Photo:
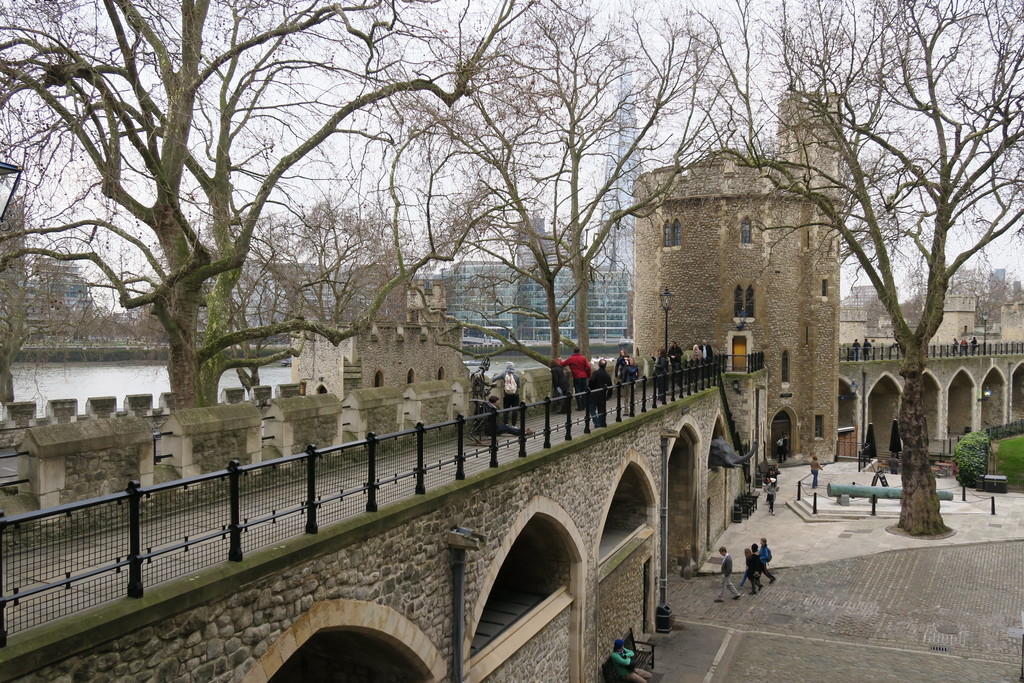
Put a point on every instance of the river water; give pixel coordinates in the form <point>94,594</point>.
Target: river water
<point>51,381</point>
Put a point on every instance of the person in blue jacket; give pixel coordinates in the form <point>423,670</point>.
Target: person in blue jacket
<point>623,660</point>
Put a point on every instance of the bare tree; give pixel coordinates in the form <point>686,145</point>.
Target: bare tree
<point>184,124</point>
<point>564,123</point>
<point>901,124</point>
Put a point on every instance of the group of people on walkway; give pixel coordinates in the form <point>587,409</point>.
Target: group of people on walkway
<point>756,559</point>
<point>962,345</point>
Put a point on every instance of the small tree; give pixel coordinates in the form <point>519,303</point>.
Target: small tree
<point>971,456</point>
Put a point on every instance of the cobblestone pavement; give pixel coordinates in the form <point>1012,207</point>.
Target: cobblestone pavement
<point>943,613</point>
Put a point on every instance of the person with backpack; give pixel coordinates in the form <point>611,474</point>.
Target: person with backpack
<point>509,384</point>
<point>765,554</point>
<point>771,489</point>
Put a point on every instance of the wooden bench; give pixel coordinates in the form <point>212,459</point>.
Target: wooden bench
<point>642,658</point>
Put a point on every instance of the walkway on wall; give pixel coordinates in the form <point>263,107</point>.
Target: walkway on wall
<point>58,561</point>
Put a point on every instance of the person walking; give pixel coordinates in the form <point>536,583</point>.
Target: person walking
<point>581,371</point>
<point>660,374</point>
<point>771,489</point>
<point>765,553</point>
<point>509,384</point>
<point>815,468</point>
<point>706,351</point>
<point>856,349</point>
<point>726,576</point>
<point>754,568</point>
<point>600,389</point>
<point>620,366</point>
<point>560,389</point>
<point>955,347</point>
<point>782,446</point>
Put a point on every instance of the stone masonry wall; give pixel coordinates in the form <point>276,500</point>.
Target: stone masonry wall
<point>544,656</point>
<point>396,558</point>
<point>622,597</point>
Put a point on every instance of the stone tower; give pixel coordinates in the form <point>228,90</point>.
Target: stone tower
<point>750,269</point>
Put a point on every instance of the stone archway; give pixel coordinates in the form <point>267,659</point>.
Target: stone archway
<point>883,408</point>
<point>960,400</point>
<point>543,554</point>
<point>685,540</point>
<point>992,398</point>
<point>385,644</point>
<point>782,424</point>
<point>1017,393</point>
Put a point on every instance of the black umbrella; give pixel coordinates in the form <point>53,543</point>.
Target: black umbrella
<point>870,450</point>
<point>895,442</point>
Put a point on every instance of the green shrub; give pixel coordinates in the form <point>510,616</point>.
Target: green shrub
<point>971,456</point>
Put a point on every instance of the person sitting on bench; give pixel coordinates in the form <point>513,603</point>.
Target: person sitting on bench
<point>492,405</point>
<point>623,660</point>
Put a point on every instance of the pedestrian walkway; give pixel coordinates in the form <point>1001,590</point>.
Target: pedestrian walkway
<point>855,601</point>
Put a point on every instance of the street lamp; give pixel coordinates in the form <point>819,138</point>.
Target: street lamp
<point>663,614</point>
<point>666,305</point>
<point>9,177</point>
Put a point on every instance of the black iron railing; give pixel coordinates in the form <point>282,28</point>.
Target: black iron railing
<point>894,352</point>
<point>61,560</point>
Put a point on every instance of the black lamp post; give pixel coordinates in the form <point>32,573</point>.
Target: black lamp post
<point>9,177</point>
<point>666,305</point>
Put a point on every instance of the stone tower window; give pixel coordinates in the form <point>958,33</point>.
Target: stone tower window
<point>745,237</point>
<point>749,302</point>
<point>673,233</point>
<point>410,377</point>
<point>785,367</point>
<point>824,287</point>
<point>378,378</point>
<point>737,301</point>
<point>440,372</point>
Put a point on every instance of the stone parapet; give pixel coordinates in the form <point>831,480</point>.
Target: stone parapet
<point>377,409</point>
<point>205,439</point>
<point>427,402</point>
<point>294,423</point>
<point>74,461</point>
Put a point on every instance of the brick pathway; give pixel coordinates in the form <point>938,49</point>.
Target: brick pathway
<point>929,614</point>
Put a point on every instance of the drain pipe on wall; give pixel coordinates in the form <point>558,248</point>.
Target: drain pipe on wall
<point>460,540</point>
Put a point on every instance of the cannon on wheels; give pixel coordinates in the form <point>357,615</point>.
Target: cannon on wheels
<point>886,492</point>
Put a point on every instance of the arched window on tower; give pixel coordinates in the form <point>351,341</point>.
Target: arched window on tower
<point>785,367</point>
<point>749,302</point>
<point>378,378</point>
<point>737,301</point>
<point>677,233</point>
<point>666,236</point>
<point>745,236</point>
<point>410,377</point>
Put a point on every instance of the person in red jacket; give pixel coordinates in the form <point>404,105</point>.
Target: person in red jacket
<point>580,369</point>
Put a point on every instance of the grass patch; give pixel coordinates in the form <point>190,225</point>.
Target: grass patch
<point>1010,460</point>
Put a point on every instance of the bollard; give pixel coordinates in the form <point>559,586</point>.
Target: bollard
<point>993,505</point>
<point>814,511</point>
<point>963,493</point>
<point>798,491</point>
<point>874,501</point>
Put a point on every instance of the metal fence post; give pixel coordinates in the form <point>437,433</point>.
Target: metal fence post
<point>632,398</point>
<point>421,486</point>
<point>522,426</point>
<point>460,447</point>
<point>643,394</point>
<point>618,402</point>
<point>568,417</point>
<point>135,588</point>
<point>3,603</point>
<point>494,438</point>
<point>312,526</point>
<point>586,411</point>
<point>547,422</point>
<point>235,505</point>
<point>371,472</point>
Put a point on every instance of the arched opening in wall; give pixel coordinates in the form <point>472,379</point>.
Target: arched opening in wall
<point>1017,393</point>
<point>321,389</point>
<point>847,416</point>
<point>719,430</point>
<point>410,376</point>
<point>538,566</point>
<point>782,424</point>
<point>440,372</point>
<point>685,541</point>
<point>992,399</point>
<point>378,378</point>
<point>629,512</point>
<point>350,655</point>
<point>960,400</point>
<point>930,392</point>
<point>883,408</point>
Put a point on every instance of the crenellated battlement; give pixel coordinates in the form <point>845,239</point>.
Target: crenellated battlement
<point>713,178</point>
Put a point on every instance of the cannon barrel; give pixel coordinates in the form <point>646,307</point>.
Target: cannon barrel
<point>886,492</point>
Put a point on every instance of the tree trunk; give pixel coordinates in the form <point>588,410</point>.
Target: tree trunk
<point>6,383</point>
<point>919,509</point>
<point>178,312</point>
<point>583,313</point>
